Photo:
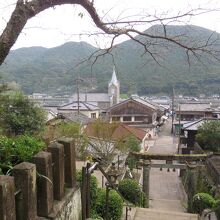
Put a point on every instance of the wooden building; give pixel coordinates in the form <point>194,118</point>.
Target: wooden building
<point>135,111</point>
<point>194,111</point>
<point>190,130</point>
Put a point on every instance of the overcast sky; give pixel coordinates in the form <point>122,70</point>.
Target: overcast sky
<point>56,26</point>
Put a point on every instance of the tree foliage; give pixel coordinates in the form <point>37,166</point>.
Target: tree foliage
<point>208,136</point>
<point>20,116</point>
<point>14,150</point>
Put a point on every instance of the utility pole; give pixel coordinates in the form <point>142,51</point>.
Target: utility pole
<point>77,90</point>
<point>172,110</point>
<point>179,132</point>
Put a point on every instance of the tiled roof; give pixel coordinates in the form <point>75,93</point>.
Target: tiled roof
<point>121,131</point>
<point>83,106</point>
<point>194,125</point>
<point>91,97</point>
<point>125,130</point>
<point>137,99</point>
<point>75,117</point>
<point>195,107</point>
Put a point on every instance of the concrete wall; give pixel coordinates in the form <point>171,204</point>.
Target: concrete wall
<point>71,208</point>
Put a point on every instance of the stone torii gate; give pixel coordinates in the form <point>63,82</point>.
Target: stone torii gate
<point>178,161</point>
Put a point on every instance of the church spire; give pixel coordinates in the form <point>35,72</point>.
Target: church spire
<point>114,89</point>
<point>114,80</point>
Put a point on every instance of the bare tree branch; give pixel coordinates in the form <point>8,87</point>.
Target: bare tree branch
<point>25,10</point>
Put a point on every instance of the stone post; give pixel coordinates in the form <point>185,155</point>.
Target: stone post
<point>83,193</point>
<point>192,174</point>
<point>88,177</point>
<point>57,151</point>
<point>7,198</point>
<point>146,182</point>
<point>43,161</point>
<point>25,182</point>
<point>70,161</point>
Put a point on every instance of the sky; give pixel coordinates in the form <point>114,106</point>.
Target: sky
<point>61,24</point>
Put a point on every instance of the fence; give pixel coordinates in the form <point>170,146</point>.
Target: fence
<point>44,188</point>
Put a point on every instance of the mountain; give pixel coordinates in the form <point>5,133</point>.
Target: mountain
<point>53,70</point>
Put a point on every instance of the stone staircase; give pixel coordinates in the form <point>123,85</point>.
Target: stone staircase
<point>155,214</point>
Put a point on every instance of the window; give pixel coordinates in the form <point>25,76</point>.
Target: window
<point>93,115</point>
<point>127,118</point>
<point>139,118</point>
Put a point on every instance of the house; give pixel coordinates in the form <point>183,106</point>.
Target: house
<point>190,130</point>
<point>192,111</point>
<point>135,111</point>
<point>116,132</point>
<point>52,125</point>
<point>85,108</point>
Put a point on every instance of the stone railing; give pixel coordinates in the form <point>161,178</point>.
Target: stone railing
<point>43,189</point>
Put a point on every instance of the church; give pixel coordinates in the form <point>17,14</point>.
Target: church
<point>92,104</point>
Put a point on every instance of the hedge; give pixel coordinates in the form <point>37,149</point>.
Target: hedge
<point>202,201</point>
<point>132,192</point>
<point>115,204</point>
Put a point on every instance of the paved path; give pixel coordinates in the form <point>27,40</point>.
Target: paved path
<point>152,214</point>
<point>166,190</point>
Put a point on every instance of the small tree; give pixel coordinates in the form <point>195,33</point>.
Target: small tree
<point>73,129</point>
<point>100,139</point>
<point>208,135</point>
<point>132,145</point>
<point>19,115</point>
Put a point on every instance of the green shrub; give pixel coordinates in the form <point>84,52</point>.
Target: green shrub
<point>93,188</point>
<point>202,201</point>
<point>131,191</point>
<point>115,204</point>
<point>18,149</point>
<point>217,208</point>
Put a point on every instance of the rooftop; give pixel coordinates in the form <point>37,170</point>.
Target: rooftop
<point>195,107</point>
<point>91,97</point>
<point>194,125</point>
<point>83,106</point>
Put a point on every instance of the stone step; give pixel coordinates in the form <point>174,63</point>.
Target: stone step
<point>156,214</point>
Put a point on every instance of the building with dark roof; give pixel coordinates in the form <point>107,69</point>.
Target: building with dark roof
<point>88,109</point>
<point>135,111</point>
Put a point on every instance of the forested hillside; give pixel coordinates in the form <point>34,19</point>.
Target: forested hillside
<point>53,70</point>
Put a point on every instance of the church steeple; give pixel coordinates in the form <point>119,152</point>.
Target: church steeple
<point>114,80</point>
<point>114,89</point>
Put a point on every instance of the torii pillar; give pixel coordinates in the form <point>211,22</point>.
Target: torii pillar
<point>146,181</point>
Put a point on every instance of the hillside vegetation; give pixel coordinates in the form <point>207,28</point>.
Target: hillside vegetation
<point>53,70</point>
